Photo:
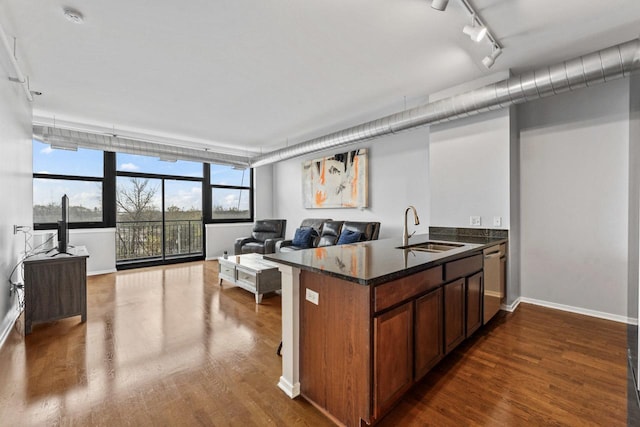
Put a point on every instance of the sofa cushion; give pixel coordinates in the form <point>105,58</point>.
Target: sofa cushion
<point>253,248</point>
<point>267,229</point>
<point>315,223</point>
<point>349,236</point>
<point>303,237</point>
<point>290,248</point>
<point>369,230</point>
<point>267,226</point>
<point>330,233</point>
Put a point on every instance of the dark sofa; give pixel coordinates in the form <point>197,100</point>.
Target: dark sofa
<point>328,233</point>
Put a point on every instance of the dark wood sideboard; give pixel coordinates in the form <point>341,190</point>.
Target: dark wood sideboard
<point>55,287</point>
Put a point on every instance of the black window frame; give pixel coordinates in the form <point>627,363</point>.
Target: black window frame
<point>109,208</point>
<point>209,199</point>
<point>106,195</point>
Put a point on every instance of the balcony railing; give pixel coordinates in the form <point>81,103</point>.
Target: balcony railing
<point>137,240</point>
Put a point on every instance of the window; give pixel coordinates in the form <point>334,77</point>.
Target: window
<point>78,174</point>
<point>231,194</point>
<point>213,193</point>
<point>159,213</point>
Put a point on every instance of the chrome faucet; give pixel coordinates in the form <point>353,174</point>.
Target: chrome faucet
<point>405,235</point>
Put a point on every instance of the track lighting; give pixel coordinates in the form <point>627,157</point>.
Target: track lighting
<point>478,31</point>
<point>490,59</point>
<point>62,144</point>
<point>168,158</point>
<point>475,33</point>
<point>439,4</point>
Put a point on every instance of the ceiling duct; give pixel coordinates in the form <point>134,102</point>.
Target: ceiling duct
<point>604,65</point>
<point>60,137</point>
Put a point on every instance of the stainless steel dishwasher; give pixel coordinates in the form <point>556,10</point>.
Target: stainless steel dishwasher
<point>492,288</point>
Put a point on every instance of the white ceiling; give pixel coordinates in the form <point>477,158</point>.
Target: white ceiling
<point>258,74</point>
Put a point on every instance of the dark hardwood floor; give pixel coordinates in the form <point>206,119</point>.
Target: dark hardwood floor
<point>168,346</point>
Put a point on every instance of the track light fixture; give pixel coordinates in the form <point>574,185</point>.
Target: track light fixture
<point>61,144</point>
<point>440,5</point>
<point>168,158</point>
<point>478,31</point>
<point>475,33</point>
<point>490,59</point>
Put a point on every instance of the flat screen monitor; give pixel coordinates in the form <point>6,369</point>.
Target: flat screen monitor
<point>63,226</point>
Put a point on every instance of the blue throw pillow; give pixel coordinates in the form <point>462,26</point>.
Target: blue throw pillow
<point>303,237</point>
<point>348,236</point>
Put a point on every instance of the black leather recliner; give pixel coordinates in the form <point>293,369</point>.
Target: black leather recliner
<point>266,233</point>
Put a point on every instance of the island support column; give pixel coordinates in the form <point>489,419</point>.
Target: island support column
<point>290,379</point>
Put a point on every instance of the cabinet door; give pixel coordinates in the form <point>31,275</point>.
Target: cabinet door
<point>428,332</point>
<point>393,356</point>
<point>474,303</point>
<point>454,311</point>
<point>503,278</point>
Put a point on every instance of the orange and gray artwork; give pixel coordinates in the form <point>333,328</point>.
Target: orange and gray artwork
<point>337,181</point>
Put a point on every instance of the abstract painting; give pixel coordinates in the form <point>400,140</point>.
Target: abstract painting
<point>337,181</point>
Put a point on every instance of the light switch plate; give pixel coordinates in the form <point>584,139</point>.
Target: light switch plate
<point>497,221</point>
<point>474,220</point>
<point>312,296</point>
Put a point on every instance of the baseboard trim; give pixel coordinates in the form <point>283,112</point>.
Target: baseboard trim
<point>511,307</point>
<point>579,310</point>
<point>291,390</point>
<point>8,322</point>
<point>97,272</point>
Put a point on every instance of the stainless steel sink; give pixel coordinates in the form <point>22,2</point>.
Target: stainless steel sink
<point>432,247</point>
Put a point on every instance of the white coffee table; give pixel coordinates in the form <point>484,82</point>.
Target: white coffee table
<point>250,272</point>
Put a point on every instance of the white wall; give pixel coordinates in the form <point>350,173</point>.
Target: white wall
<point>469,170</point>
<point>574,199</point>
<point>398,177</point>
<point>634,219</point>
<point>514,290</point>
<point>474,171</point>
<point>16,181</point>
<point>220,237</point>
<point>101,245</point>
<point>263,189</point>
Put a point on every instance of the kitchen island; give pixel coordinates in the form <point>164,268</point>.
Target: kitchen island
<point>363,322</point>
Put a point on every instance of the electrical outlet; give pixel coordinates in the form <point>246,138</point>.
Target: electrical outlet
<point>312,296</point>
<point>497,221</point>
<point>22,228</point>
<point>474,220</point>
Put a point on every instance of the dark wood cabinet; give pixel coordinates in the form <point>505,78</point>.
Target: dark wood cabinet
<point>335,347</point>
<point>474,303</point>
<point>454,314</point>
<point>363,347</point>
<point>428,341</point>
<point>393,356</point>
<point>55,288</point>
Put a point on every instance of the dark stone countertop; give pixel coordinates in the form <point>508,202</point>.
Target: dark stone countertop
<point>379,261</point>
